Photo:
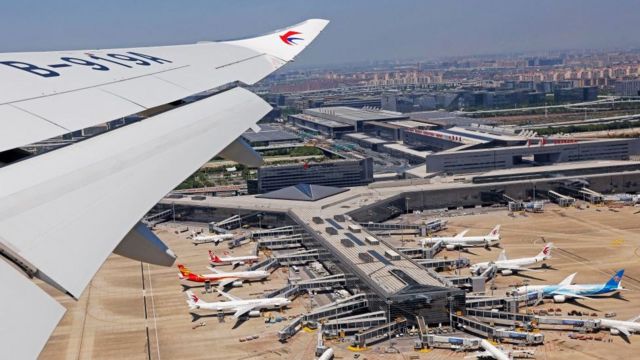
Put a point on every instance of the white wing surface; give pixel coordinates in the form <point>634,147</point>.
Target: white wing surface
<point>86,197</point>
<point>62,213</point>
<point>46,94</point>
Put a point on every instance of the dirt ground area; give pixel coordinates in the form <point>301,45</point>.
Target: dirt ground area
<point>115,316</point>
<point>138,311</point>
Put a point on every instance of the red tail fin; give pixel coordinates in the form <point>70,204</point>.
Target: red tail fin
<point>183,270</point>
<point>213,257</point>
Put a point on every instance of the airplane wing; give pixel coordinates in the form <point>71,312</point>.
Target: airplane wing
<point>63,212</point>
<point>623,330</point>
<point>569,294</point>
<point>461,234</point>
<point>242,310</point>
<point>228,296</point>
<point>214,270</point>
<point>40,92</point>
<point>568,280</point>
<point>634,319</point>
<point>226,282</point>
<point>517,268</point>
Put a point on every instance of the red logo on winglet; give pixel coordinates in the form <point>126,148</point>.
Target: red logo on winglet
<point>288,37</point>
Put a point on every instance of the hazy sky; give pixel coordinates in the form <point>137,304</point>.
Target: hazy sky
<point>360,29</point>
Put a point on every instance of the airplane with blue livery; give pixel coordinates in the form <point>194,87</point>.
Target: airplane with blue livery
<point>566,290</point>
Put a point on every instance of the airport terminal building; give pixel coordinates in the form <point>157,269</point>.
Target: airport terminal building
<point>339,120</point>
<point>479,160</point>
<point>338,173</point>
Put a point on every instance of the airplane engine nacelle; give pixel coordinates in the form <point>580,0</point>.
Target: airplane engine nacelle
<point>506,272</point>
<point>237,284</point>
<point>614,331</point>
<point>450,247</point>
<point>254,313</point>
<point>559,298</point>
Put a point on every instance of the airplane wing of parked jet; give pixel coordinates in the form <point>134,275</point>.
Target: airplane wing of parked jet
<point>62,213</point>
<point>226,282</point>
<point>517,268</point>
<point>242,310</point>
<point>568,294</point>
<point>229,296</point>
<point>462,234</point>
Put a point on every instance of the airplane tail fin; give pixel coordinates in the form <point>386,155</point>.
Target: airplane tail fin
<point>495,231</point>
<point>192,299</point>
<point>184,271</point>
<point>545,253</point>
<point>213,257</point>
<point>615,281</point>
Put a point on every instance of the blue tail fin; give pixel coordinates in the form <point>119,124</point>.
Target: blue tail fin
<point>614,282</point>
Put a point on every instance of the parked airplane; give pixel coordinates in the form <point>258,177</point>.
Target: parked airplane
<point>223,278</point>
<point>508,267</point>
<point>565,290</point>
<point>462,241</point>
<point>208,238</point>
<point>238,306</point>
<point>623,328</point>
<point>231,260</point>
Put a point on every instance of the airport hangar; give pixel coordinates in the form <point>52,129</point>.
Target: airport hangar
<point>392,281</point>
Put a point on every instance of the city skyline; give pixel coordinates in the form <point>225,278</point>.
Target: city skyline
<point>360,31</point>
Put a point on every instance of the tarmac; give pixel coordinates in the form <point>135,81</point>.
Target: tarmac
<point>138,311</point>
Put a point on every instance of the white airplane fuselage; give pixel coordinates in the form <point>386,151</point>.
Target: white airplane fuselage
<point>505,266</point>
<point>256,304</point>
<point>215,238</point>
<point>464,242</point>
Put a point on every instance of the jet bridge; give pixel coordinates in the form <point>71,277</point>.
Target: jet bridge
<point>354,323</point>
<point>154,219</point>
<point>516,319</point>
<point>484,330</point>
<point>451,342</point>
<point>507,303</point>
<point>266,265</point>
<point>299,257</point>
<point>280,231</point>
<point>423,252</point>
<point>442,264</point>
<point>279,243</point>
<point>336,309</point>
<point>234,221</point>
<point>560,199</point>
<point>372,335</point>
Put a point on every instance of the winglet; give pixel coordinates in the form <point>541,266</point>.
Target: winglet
<point>568,280</point>
<point>286,43</point>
